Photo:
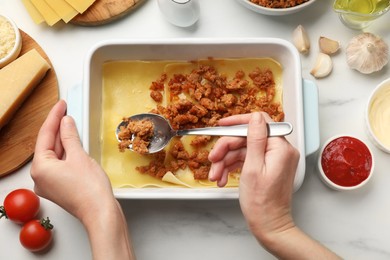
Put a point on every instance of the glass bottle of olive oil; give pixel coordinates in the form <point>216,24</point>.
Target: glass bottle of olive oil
<point>358,14</point>
<point>362,6</point>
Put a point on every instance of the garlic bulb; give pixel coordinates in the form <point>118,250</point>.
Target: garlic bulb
<point>301,39</point>
<point>323,66</point>
<point>367,53</point>
<point>328,46</point>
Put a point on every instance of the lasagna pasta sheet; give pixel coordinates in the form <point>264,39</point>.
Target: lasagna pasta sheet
<point>126,92</point>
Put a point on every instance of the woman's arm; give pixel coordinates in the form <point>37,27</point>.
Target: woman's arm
<point>64,173</point>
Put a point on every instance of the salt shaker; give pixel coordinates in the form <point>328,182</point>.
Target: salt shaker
<point>181,13</point>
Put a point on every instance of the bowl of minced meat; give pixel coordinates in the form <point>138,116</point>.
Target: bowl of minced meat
<point>276,7</point>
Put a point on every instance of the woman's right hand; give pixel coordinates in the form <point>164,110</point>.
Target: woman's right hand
<point>267,176</point>
<point>266,187</point>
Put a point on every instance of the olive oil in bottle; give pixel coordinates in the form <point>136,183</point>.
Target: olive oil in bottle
<point>358,14</point>
<point>362,6</point>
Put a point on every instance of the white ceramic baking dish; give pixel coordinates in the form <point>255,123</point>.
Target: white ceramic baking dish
<point>298,96</point>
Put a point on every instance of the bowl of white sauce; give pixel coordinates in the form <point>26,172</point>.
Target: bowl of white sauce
<point>378,116</point>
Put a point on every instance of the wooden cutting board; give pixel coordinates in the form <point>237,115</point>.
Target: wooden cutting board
<point>18,137</point>
<point>105,11</point>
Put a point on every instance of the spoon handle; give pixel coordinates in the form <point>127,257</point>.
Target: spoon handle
<point>274,129</point>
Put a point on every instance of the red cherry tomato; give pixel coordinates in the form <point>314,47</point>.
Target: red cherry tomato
<point>36,234</point>
<point>20,206</point>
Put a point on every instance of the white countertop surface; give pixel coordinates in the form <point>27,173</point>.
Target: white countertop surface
<point>354,224</point>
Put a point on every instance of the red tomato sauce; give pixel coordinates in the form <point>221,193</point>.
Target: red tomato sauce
<point>346,161</point>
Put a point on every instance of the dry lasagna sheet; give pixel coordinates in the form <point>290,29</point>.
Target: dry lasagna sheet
<point>126,92</point>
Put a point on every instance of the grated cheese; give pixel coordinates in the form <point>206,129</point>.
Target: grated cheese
<point>7,37</point>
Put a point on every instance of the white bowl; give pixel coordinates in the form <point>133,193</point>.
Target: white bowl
<point>275,11</point>
<point>15,51</point>
<point>377,116</point>
<point>346,158</point>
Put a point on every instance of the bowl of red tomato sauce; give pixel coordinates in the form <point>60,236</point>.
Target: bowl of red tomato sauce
<point>345,163</point>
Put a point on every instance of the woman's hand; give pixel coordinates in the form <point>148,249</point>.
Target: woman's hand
<point>64,173</point>
<point>267,176</point>
<point>266,186</point>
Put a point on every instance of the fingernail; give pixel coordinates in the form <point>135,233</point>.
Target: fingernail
<point>210,156</point>
<point>68,121</point>
<point>256,117</point>
<point>211,175</point>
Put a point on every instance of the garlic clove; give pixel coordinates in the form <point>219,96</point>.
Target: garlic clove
<point>323,66</point>
<point>328,46</point>
<point>301,39</point>
<point>367,53</point>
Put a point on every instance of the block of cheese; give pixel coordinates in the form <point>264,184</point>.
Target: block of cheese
<point>33,12</point>
<point>17,81</point>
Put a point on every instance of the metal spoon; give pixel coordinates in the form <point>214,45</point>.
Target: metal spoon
<point>163,131</point>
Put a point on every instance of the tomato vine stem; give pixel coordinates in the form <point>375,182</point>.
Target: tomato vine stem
<point>46,223</point>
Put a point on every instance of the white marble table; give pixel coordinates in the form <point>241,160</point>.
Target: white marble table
<point>355,224</point>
